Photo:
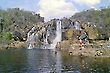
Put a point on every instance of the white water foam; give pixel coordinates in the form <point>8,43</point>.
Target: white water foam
<point>31,38</point>
<point>58,37</point>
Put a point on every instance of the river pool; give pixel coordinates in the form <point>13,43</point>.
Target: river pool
<point>47,61</point>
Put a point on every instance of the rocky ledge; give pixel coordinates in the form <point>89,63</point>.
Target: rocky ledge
<point>14,45</point>
<point>93,50</point>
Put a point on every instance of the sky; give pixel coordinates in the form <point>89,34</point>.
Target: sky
<point>54,8</point>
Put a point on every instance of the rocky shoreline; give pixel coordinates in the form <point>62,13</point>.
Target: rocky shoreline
<point>13,45</point>
<point>90,50</point>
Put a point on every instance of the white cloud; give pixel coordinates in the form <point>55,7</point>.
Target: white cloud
<point>87,2</point>
<point>63,8</point>
<point>56,9</point>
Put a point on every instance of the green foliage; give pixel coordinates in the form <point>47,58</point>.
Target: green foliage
<point>16,16</point>
<point>94,16</point>
<point>7,36</point>
<point>16,19</point>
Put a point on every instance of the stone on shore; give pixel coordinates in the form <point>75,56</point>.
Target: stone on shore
<point>17,44</point>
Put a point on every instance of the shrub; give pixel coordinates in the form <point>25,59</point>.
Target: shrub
<point>7,36</point>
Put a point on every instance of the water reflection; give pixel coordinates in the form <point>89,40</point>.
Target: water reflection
<point>47,61</point>
<point>58,62</point>
<point>31,61</point>
<point>12,61</point>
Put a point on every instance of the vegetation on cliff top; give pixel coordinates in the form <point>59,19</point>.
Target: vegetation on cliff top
<point>100,18</point>
<point>21,20</point>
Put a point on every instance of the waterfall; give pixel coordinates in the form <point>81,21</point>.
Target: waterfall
<point>58,37</point>
<point>58,62</point>
<point>77,25</point>
<point>31,38</point>
<point>47,34</point>
<point>45,37</point>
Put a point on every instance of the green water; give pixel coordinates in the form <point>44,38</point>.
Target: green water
<point>47,61</point>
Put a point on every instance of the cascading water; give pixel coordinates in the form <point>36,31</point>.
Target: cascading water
<point>47,34</point>
<point>58,37</point>
<point>77,25</point>
<point>31,38</point>
<point>45,37</point>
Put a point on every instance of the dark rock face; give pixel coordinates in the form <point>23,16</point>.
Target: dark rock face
<point>17,36</point>
<point>51,28</point>
<point>66,23</point>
